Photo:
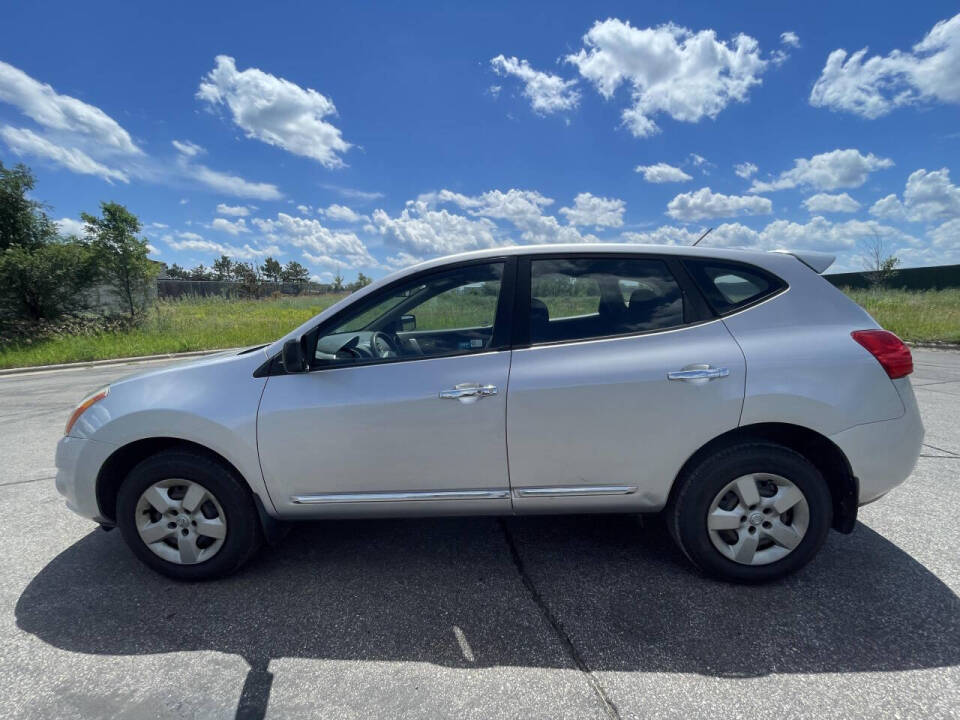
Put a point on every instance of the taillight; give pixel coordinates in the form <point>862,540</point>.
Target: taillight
<point>889,350</point>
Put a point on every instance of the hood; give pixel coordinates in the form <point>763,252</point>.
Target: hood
<point>253,355</point>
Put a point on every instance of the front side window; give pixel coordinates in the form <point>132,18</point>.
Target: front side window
<point>444,313</point>
<point>581,298</point>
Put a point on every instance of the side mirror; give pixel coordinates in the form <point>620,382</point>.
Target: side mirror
<point>293,357</point>
<point>408,323</point>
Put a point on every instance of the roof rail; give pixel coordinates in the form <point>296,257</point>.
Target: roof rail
<point>816,261</point>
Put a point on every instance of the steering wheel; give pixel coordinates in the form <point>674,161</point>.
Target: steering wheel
<point>383,345</point>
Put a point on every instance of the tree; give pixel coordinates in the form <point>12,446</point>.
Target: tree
<point>122,255</point>
<point>249,275</point>
<point>362,281</point>
<point>272,270</point>
<point>880,264</point>
<point>45,282</point>
<point>338,282</point>
<point>23,221</point>
<point>177,273</point>
<point>200,273</point>
<point>223,268</point>
<point>295,272</point>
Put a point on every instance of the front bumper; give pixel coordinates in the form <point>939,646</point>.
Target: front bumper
<point>883,454</point>
<point>78,463</point>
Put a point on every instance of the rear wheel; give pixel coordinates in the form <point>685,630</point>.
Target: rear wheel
<point>751,513</point>
<point>187,516</point>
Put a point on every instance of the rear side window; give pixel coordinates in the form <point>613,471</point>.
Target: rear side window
<point>731,286</point>
<point>582,298</point>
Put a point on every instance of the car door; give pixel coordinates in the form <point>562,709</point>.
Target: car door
<point>403,408</point>
<point>625,373</point>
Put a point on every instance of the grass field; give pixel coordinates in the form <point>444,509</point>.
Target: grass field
<point>211,323</point>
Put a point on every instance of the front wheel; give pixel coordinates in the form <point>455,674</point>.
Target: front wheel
<point>753,512</point>
<point>187,516</point>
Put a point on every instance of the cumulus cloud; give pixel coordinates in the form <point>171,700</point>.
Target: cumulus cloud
<point>230,227</point>
<point>233,210</point>
<point>874,87</point>
<point>276,111</point>
<point>341,213</point>
<point>827,171</point>
<point>590,210</point>
<point>826,203</point>
<point>746,170</point>
<point>192,241</point>
<point>669,69</point>
<point>69,226</point>
<point>929,196</point>
<point>547,93</point>
<point>26,142</point>
<point>420,230</point>
<point>63,113</point>
<point>704,203</point>
<point>790,39</point>
<point>662,173</point>
<point>320,244</point>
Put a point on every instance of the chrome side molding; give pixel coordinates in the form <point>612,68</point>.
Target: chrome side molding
<point>400,496</point>
<point>575,491</point>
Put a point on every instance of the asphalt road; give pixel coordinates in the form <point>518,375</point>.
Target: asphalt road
<point>530,618</point>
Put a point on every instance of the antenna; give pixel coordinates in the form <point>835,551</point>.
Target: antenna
<point>709,230</point>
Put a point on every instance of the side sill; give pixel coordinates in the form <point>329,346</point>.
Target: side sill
<point>400,496</point>
<point>575,491</point>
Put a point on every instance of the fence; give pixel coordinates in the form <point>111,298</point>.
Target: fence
<point>175,288</point>
<point>938,277</point>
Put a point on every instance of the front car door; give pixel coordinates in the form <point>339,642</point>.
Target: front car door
<point>594,421</point>
<point>403,408</point>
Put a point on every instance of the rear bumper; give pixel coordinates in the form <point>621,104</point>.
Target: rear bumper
<point>78,464</point>
<point>883,454</point>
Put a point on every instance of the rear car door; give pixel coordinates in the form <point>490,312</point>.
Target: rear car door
<point>620,372</point>
<point>403,409</point>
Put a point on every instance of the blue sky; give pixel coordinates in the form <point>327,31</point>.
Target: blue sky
<point>360,137</point>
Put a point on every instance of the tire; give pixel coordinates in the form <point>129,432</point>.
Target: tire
<point>716,487</point>
<point>227,509</point>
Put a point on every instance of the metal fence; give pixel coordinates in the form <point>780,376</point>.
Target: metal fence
<point>175,288</point>
<point>938,277</point>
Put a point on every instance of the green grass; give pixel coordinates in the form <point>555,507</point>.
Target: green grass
<point>918,316</point>
<point>177,326</point>
<point>212,323</point>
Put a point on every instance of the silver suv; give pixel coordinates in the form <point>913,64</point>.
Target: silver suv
<point>736,392</point>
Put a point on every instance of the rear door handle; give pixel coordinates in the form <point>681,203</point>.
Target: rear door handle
<point>698,372</point>
<point>468,392</point>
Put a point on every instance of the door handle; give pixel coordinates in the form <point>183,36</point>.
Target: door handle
<point>698,372</point>
<point>468,392</point>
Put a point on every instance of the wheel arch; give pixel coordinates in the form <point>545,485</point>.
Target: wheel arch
<point>825,455</point>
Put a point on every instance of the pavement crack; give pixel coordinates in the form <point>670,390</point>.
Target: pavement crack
<point>934,447</point>
<point>31,480</point>
<point>606,703</point>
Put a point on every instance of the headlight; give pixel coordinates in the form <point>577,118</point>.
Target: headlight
<point>84,406</point>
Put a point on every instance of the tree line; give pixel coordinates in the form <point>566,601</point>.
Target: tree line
<point>228,269</point>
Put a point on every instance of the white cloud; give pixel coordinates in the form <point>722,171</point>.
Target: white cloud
<point>704,203</point>
<point>69,226</point>
<point>26,142</point>
<point>670,69</point>
<point>402,260</point>
<point>276,111</point>
<point>590,210</point>
<point>547,93</point>
<point>662,173</point>
<point>827,171</point>
<point>790,39</point>
<point>929,196</point>
<point>192,241</point>
<point>422,231</point>
<point>63,113</point>
<point>185,147</point>
<point>745,170</point>
<point>230,184</point>
<point>354,193</point>
<point>341,213</point>
<point>875,86</point>
<point>152,250</point>
<point>825,203</point>
<point>233,210</point>
<point>698,160</point>
<point>343,249</point>
<point>232,228</point>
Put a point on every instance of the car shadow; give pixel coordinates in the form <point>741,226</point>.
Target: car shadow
<point>519,591</point>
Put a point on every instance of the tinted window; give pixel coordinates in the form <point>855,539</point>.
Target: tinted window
<point>729,286</point>
<point>579,298</point>
<point>446,313</point>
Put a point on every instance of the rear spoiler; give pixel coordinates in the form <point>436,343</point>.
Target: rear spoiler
<point>816,261</point>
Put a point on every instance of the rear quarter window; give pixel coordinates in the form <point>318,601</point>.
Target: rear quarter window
<point>731,286</point>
